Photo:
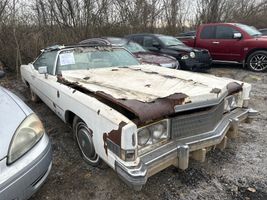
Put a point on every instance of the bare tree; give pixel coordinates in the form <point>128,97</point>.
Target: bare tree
<point>26,27</point>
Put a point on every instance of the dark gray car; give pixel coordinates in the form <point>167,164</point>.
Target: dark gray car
<point>189,58</point>
<point>25,153</point>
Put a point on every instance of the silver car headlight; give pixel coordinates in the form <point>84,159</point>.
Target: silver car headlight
<point>26,136</point>
<point>153,133</point>
<point>192,54</point>
<point>231,102</point>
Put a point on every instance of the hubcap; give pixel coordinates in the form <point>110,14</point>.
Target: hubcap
<point>85,142</point>
<point>258,62</point>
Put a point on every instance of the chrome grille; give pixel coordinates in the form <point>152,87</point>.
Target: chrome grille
<point>196,123</point>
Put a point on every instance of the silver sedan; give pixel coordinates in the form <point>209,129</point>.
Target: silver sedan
<point>25,149</point>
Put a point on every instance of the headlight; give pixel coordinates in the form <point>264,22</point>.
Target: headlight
<point>230,103</point>
<point>26,136</point>
<point>158,130</point>
<point>192,54</point>
<point>185,57</point>
<point>153,133</point>
<point>143,136</point>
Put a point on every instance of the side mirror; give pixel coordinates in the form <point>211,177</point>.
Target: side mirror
<point>237,36</point>
<point>42,70</point>
<point>2,74</point>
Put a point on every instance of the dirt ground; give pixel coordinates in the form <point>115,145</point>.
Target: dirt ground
<point>238,172</point>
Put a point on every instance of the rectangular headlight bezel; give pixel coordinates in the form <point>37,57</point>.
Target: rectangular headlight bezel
<point>152,144</point>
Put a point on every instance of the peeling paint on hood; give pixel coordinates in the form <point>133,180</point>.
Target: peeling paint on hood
<point>147,83</point>
<point>143,89</point>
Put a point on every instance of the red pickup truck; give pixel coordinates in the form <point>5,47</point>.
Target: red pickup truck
<point>232,43</point>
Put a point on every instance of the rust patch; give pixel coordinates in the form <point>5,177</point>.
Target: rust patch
<point>170,77</point>
<point>148,111</point>
<point>86,78</point>
<point>234,87</point>
<point>114,136</point>
<point>150,72</point>
<point>216,91</point>
<point>136,69</point>
<point>137,111</point>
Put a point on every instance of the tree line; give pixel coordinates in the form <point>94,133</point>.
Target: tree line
<point>27,27</point>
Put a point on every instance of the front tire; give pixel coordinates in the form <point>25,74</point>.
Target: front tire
<point>257,61</point>
<point>84,138</point>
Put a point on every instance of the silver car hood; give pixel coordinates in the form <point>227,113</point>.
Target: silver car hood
<point>13,112</point>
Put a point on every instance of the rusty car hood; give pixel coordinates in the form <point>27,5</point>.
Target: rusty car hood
<point>143,89</point>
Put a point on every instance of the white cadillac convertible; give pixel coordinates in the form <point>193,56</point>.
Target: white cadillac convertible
<point>139,119</point>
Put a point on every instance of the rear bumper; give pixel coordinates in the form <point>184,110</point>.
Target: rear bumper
<point>177,152</point>
<point>24,177</point>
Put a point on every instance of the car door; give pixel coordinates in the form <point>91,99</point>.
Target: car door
<point>225,46</point>
<point>218,39</point>
<point>206,39</point>
<point>45,85</point>
<point>151,43</point>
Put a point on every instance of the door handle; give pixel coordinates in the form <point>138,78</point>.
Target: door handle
<point>215,42</point>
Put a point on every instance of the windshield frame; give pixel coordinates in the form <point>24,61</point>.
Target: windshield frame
<point>56,71</point>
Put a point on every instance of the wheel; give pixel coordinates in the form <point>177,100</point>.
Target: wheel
<point>257,61</point>
<point>84,138</point>
<point>34,97</point>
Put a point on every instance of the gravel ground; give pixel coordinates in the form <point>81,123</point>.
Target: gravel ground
<point>238,172</point>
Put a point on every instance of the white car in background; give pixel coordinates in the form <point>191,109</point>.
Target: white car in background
<point>25,149</point>
<point>139,119</point>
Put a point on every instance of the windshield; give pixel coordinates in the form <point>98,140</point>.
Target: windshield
<point>249,29</point>
<point>170,41</point>
<point>90,58</point>
<point>134,47</point>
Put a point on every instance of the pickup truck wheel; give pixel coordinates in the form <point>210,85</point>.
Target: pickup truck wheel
<point>34,97</point>
<point>84,138</point>
<point>257,61</point>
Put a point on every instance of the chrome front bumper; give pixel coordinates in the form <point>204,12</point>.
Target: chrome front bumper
<point>177,152</point>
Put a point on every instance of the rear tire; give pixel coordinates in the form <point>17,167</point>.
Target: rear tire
<point>257,61</point>
<point>84,138</point>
